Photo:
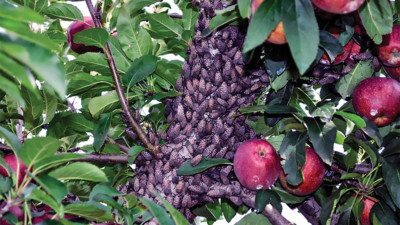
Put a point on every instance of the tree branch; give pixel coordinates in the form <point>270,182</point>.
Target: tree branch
<point>103,158</point>
<point>118,86</point>
<point>122,147</point>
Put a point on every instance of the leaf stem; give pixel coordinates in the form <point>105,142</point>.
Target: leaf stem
<point>118,86</point>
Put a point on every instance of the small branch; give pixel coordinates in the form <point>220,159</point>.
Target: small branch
<point>104,158</point>
<point>5,148</point>
<point>358,168</point>
<point>118,86</point>
<point>122,147</point>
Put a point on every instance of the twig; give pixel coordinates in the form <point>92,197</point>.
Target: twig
<point>122,147</point>
<point>118,86</point>
<point>104,158</point>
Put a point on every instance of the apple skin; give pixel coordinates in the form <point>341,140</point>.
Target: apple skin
<point>277,35</point>
<point>368,204</point>
<point>389,50</point>
<point>342,56</point>
<point>393,72</point>
<point>359,26</point>
<point>11,160</point>
<point>338,6</point>
<point>76,27</point>
<point>378,99</point>
<point>313,173</point>
<point>256,164</point>
<point>355,50</point>
<point>16,210</point>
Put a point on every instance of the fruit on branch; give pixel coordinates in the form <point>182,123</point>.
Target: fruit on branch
<point>76,27</point>
<point>277,35</point>
<point>16,210</point>
<point>393,72</point>
<point>338,6</point>
<point>256,164</point>
<point>368,204</point>
<point>378,99</point>
<point>11,160</point>
<point>389,50</point>
<point>313,174</point>
<point>342,56</point>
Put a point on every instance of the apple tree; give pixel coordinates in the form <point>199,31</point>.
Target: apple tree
<point>99,124</point>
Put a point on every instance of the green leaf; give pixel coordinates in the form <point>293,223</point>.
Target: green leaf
<point>264,20</point>
<point>38,148</point>
<point>140,4</point>
<point>103,104</point>
<point>322,136</point>
<point>293,152</point>
<point>383,213</point>
<point>169,70</point>
<point>11,90</point>
<point>97,62</point>
<point>391,176</point>
<point>55,160</point>
<point>134,152</point>
<point>56,33</point>
<point>281,97</point>
<point>92,37</point>
<point>14,69</point>
<point>244,8</point>
<point>254,219</point>
<point>90,210</point>
<point>361,71</point>
<point>228,209</point>
<point>357,120</point>
<point>42,196</point>
<point>140,69</point>
<point>377,18</point>
<point>21,14</point>
<point>63,11</point>
<point>118,53</point>
<point>271,109</point>
<point>54,187</point>
<point>67,124</point>
<point>330,44</point>
<point>50,101</point>
<point>206,163</point>
<point>287,197</point>
<point>189,17</point>
<point>10,138</point>
<point>83,82</point>
<point>176,215</point>
<point>23,31</point>
<point>104,188</point>
<point>229,15</point>
<point>264,197</point>
<point>301,31</point>
<point>135,40</point>
<point>79,171</point>
<point>42,61</point>
<point>163,26</point>
<point>158,212</point>
<point>100,130</point>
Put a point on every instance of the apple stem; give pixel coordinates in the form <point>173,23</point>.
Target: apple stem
<point>118,86</point>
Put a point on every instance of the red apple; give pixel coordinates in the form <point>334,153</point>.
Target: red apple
<point>313,174</point>
<point>389,50</point>
<point>11,160</point>
<point>342,56</point>
<point>368,204</point>
<point>277,35</point>
<point>355,50</point>
<point>359,27</point>
<point>76,27</point>
<point>378,99</point>
<point>393,72</point>
<point>16,210</point>
<point>256,164</point>
<point>338,6</point>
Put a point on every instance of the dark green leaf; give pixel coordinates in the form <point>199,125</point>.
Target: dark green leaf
<point>330,44</point>
<point>264,197</point>
<point>158,212</point>
<point>134,152</point>
<point>301,31</point>
<point>189,17</point>
<point>391,176</point>
<point>79,171</point>
<point>100,130</point>
<point>140,69</point>
<point>140,4</point>
<point>50,101</point>
<point>254,219</point>
<point>38,148</point>
<point>377,18</point>
<point>264,20</point>
<point>244,9</point>
<point>42,196</point>
<point>92,37</point>
<point>293,152</point>
<point>97,62</point>
<point>282,97</point>
<point>11,90</point>
<point>322,136</point>
<point>270,109</point>
<point>54,187</point>
<point>206,163</point>
<point>288,198</point>
<point>55,160</point>
<point>63,11</point>
<point>91,211</point>
<point>56,33</point>
<point>346,84</point>
<point>230,14</point>
<point>5,184</point>
<point>163,26</point>
<point>384,214</point>
<point>360,123</point>
<point>372,131</point>
<point>10,138</point>
<point>84,82</point>
<point>176,215</point>
<point>228,209</point>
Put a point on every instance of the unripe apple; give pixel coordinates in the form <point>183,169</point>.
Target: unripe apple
<point>389,50</point>
<point>368,204</point>
<point>256,164</point>
<point>338,6</point>
<point>393,72</point>
<point>76,27</point>
<point>378,99</point>
<point>313,174</point>
<point>277,35</point>
<point>342,56</point>
<point>11,160</point>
